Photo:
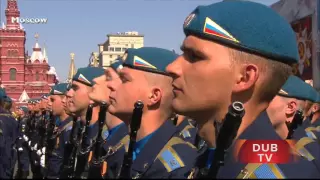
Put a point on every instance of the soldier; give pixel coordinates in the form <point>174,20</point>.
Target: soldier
<point>158,152</point>
<point>291,98</point>
<point>57,93</point>
<point>233,52</point>
<point>9,135</point>
<point>23,149</point>
<point>116,132</point>
<point>82,83</point>
<point>34,140</point>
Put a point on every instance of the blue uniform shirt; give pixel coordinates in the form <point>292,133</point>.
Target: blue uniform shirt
<point>165,155</point>
<point>56,160</point>
<point>115,148</point>
<point>139,145</point>
<point>8,137</point>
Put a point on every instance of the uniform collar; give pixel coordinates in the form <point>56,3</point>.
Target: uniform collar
<point>264,127</point>
<point>140,144</point>
<point>66,121</point>
<point>183,124</point>
<point>260,129</point>
<point>153,147</point>
<point>116,136</point>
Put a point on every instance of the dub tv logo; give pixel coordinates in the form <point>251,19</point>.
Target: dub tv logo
<point>29,20</point>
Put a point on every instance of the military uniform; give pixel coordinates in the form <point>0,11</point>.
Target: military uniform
<point>256,35</point>
<point>188,131</point>
<point>8,137</point>
<point>163,153</point>
<point>86,76</point>
<point>55,163</point>
<point>23,149</point>
<point>235,169</point>
<point>115,147</point>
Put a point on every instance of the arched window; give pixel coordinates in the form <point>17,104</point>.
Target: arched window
<point>13,73</point>
<point>37,76</point>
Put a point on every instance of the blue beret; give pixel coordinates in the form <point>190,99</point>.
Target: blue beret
<point>298,89</point>
<point>3,93</point>
<point>150,59</point>
<point>87,74</point>
<point>59,89</point>
<point>318,98</point>
<point>116,65</point>
<point>24,109</point>
<point>247,26</point>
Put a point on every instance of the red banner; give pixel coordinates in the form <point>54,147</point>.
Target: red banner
<point>263,151</point>
<point>303,29</point>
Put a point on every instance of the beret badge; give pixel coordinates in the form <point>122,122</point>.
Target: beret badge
<point>188,20</point>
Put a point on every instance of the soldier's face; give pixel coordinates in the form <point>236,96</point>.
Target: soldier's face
<point>66,103</point>
<point>276,111</point>
<point>56,104</point>
<point>124,95</point>
<point>79,94</point>
<point>202,78</point>
<point>100,91</point>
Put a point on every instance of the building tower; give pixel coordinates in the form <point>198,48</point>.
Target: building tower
<point>72,69</point>
<point>12,52</point>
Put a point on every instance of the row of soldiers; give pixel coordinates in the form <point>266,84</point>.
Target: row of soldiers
<point>154,114</point>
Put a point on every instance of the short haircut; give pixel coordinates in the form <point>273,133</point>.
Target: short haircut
<point>275,73</point>
<point>164,83</point>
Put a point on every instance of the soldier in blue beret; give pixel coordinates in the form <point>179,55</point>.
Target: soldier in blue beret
<point>8,137</point>
<point>23,149</point>
<point>115,131</point>
<point>82,83</point>
<point>144,78</point>
<point>291,98</point>
<point>62,136</point>
<point>236,51</point>
<point>34,137</point>
<point>282,109</point>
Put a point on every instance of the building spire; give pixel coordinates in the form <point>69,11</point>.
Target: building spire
<point>45,56</point>
<point>12,13</point>
<point>72,68</point>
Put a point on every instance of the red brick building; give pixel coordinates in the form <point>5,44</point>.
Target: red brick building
<point>22,76</point>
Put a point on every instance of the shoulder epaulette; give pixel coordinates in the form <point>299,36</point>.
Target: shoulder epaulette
<point>169,157</point>
<point>6,115</point>
<point>301,150</point>
<point>261,171</point>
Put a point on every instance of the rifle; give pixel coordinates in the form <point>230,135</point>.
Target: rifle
<point>296,121</point>
<point>95,167</point>
<point>82,157</point>
<point>125,172</point>
<point>226,135</point>
<point>70,151</point>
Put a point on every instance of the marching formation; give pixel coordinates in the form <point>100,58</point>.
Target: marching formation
<point>156,114</point>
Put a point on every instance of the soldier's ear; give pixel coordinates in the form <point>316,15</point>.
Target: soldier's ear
<point>291,108</point>
<point>154,96</point>
<point>246,78</point>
